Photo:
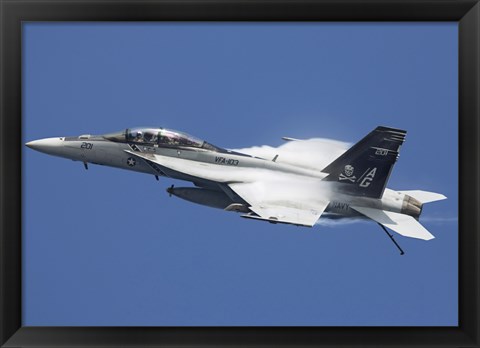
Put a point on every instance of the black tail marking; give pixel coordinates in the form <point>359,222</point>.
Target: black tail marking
<point>364,169</point>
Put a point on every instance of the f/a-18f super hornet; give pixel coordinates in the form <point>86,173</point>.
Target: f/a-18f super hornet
<point>353,185</point>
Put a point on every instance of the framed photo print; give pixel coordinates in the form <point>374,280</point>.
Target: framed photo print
<point>239,173</point>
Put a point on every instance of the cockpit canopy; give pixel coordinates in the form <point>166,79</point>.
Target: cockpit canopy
<point>157,136</point>
<point>162,136</point>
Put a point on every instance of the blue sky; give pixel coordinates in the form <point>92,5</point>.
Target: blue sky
<point>109,247</point>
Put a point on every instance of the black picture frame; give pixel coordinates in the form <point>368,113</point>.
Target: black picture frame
<point>14,12</point>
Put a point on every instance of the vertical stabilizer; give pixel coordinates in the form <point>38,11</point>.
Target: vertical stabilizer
<point>364,169</point>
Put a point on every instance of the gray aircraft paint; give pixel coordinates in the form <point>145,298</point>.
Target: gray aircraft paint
<point>340,196</point>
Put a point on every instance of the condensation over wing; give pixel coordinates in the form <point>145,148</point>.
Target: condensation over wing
<point>274,209</point>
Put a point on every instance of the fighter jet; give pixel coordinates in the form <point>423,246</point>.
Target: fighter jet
<point>353,185</point>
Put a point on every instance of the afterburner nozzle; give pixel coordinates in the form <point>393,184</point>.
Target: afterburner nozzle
<point>412,207</point>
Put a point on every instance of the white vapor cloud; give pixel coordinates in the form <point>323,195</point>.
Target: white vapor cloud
<point>279,188</point>
<point>315,153</point>
<point>308,192</point>
<point>282,189</point>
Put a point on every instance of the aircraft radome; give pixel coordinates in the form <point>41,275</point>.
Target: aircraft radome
<point>353,185</point>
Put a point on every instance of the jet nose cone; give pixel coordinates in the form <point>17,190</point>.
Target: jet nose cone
<point>48,145</point>
<point>33,144</point>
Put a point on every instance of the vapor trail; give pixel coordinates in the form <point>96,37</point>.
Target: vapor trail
<point>340,222</point>
<point>277,188</point>
<point>315,153</point>
<point>439,220</point>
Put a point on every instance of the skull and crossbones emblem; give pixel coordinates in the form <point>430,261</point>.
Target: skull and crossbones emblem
<point>348,170</point>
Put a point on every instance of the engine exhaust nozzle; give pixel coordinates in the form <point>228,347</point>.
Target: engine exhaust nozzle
<point>412,207</point>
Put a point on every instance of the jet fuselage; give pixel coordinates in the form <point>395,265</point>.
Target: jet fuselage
<point>220,167</point>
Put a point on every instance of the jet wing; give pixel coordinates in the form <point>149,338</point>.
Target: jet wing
<point>266,199</point>
<point>403,224</point>
<point>269,207</point>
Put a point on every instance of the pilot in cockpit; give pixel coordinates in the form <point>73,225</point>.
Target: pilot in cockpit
<point>150,137</point>
<point>138,137</point>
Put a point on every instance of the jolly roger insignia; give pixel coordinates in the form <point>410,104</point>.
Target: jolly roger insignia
<point>348,170</point>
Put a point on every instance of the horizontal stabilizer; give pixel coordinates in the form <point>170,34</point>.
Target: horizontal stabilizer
<point>424,196</point>
<point>403,224</point>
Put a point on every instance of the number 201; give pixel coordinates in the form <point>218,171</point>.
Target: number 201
<point>87,146</point>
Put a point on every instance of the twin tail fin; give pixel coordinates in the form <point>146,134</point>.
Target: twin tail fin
<point>365,168</point>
